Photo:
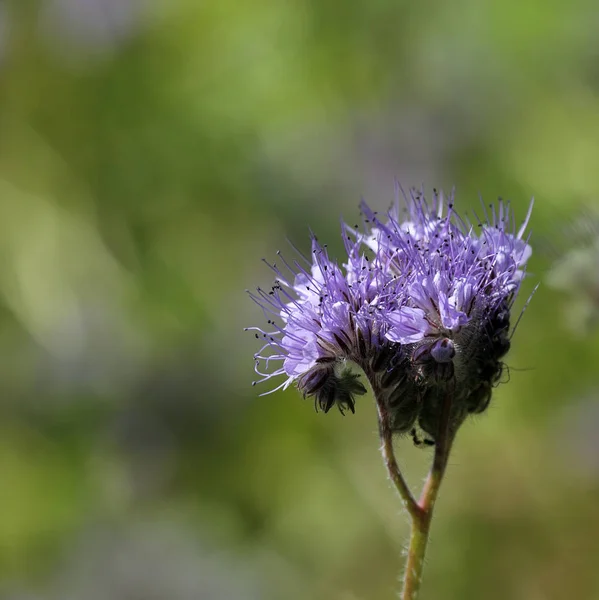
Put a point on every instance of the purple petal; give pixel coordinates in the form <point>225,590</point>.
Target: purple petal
<point>451,317</point>
<point>408,325</point>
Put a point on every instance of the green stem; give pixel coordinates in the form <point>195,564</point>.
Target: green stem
<point>421,511</point>
<point>407,499</point>
<point>421,521</point>
<point>416,553</point>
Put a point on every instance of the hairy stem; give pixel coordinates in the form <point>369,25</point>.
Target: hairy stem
<point>421,511</point>
<point>408,500</point>
<point>415,561</point>
<point>421,522</point>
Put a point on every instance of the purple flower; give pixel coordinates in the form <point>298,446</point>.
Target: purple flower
<point>422,306</point>
<point>320,317</point>
<point>449,270</point>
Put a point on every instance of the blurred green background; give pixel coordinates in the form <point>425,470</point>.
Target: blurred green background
<point>150,154</point>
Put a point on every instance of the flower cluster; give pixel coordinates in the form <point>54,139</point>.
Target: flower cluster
<point>422,306</point>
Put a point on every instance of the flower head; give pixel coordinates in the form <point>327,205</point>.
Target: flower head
<point>320,317</point>
<point>422,305</point>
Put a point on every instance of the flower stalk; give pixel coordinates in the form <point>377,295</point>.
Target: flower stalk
<point>421,519</point>
<point>386,433</point>
<point>421,511</point>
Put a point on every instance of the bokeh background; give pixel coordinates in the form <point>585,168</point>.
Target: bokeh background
<point>151,153</point>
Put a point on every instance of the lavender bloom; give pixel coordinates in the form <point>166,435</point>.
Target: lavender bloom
<point>327,318</point>
<point>422,306</point>
<point>459,285</point>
